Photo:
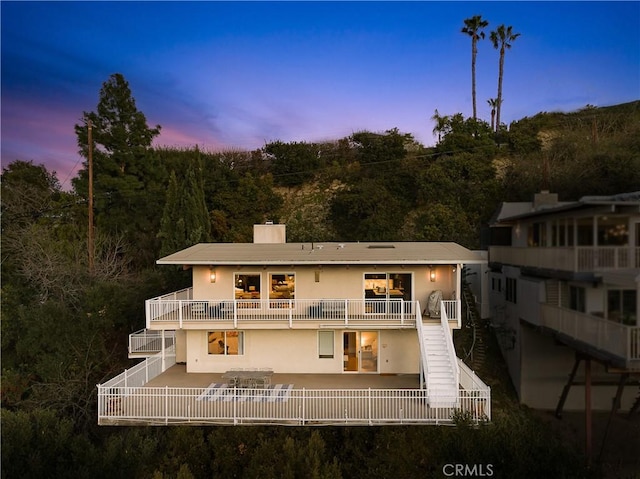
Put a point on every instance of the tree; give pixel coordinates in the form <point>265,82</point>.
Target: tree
<point>473,27</point>
<point>493,103</point>
<point>128,184</point>
<point>502,38</point>
<point>442,124</point>
<point>185,220</point>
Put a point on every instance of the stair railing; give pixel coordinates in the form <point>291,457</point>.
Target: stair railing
<point>423,351</point>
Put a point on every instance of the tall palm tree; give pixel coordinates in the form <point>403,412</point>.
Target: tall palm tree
<point>473,27</point>
<point>502,38</point>
<point>493,103</point>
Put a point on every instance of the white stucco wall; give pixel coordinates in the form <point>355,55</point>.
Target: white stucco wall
<point>335,282</point>
<point>296,351</point>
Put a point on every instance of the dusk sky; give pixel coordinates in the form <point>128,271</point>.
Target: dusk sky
<point>224,75</point>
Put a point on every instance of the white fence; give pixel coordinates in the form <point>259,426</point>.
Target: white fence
<point>170,405</point>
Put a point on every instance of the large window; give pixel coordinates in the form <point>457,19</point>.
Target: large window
<point>325,344</point>
<point>247,286</point>
<point>613,231</point>
<point>227,343</point>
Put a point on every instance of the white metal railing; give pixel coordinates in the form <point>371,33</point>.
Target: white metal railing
<point>568,258</point>
<point>453,359</point>
<point>143,372</point>
<point>171,405</point>
<point>390,312</point>
<point>424,364</point>
<point>147,342</point>
<point>615,338</point>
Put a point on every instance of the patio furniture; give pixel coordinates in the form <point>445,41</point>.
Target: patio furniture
<point>249,378</point>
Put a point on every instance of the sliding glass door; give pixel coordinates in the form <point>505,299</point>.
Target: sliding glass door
<point>386,292</point>
<point>360,351</point>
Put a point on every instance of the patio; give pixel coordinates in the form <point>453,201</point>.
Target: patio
<point>177,397</point>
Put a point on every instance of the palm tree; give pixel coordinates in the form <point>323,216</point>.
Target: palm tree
<point>442,124</point>
<point>502,37</point>
<point>473,27</point>
<point>493,103</point>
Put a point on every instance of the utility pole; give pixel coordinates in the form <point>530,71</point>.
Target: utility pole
<point>90,242</point>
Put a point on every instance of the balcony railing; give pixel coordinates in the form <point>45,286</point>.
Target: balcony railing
<point>125,400</point>
<point>168,312</point>
<point>570,258</point>
<point>617,339</point>
<point>145,342</point>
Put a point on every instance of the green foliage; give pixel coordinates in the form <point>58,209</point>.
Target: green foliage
<point>292,163</point>
<point>127,181</point>
<point>185,220</point>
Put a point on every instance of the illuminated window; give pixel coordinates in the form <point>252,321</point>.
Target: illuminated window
<point>228,343</point>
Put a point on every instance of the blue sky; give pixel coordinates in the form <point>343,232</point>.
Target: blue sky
<point>236,75</point>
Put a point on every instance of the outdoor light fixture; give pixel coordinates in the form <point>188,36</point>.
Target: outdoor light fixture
<point>432,274</point>
<point>212,275</point>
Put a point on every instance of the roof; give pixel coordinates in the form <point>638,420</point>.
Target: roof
<point>518,210</point>
<point>410,253</point>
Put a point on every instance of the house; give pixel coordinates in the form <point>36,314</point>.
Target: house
<point>321,333</point>
<point>564,291</point>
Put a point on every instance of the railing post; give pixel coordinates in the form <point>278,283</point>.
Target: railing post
<point>304,404</point>
<point>235,314</point>
<point>290,314</point>
<point>346,311</point>
<point>369,407</point>
<point>180,313</point>
<point>166,404</point>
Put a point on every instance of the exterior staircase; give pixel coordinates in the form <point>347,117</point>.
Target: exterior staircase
<point>439,366</point>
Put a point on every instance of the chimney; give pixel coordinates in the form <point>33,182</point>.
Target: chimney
<point>544,199</point>
<point>270,233</point>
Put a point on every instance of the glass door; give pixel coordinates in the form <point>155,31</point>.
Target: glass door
<point>360,351</point>
<point>387,292</point>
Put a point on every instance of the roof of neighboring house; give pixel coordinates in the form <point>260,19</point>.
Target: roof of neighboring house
<point>324,253</point>
<point>520,210</point>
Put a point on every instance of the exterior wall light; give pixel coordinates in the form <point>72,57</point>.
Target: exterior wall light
<point>212,275</point>
<point>432,274</point>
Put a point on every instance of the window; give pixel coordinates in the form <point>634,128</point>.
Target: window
<point>613,231</point>
<point>511,290</point>
<point>538,234</point>
<point>227,343</point>
<point>621,306</point>
<point>247,286</point>
<point>585,232</point>
<point>283,286</point>
<point>496,284</point>
<point>325,344</point>
<point>577,298</point>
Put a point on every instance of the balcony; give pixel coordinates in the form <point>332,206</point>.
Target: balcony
<point>145,343</point>
<point>615,339</point>
<point>153,393</point>
<point>178,310</point>
<point>571,258</point>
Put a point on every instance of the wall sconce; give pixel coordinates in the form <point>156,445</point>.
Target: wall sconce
<point>432,274</point>
<point>212,275</point>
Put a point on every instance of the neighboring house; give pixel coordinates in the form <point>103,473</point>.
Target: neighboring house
<point>344,333</point>
<point>564,290</point>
